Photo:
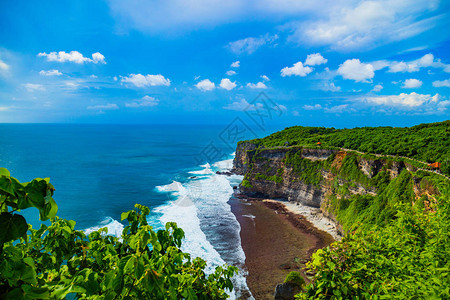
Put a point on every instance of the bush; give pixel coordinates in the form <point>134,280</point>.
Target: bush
<point>295,277</point>
<point>57,261</point>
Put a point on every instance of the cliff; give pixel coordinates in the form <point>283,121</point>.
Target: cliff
<point>344,184</point>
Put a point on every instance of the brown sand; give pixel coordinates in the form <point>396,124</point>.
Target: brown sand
<point>275,242</point>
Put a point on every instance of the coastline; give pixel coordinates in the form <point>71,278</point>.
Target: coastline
<point>312,215</point>
<point>276,240</point>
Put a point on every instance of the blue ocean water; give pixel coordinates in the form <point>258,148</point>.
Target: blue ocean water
<point>100,171</point>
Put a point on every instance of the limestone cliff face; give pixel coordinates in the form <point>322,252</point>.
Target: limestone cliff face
<point>270,176</point>
<point>314,177</point>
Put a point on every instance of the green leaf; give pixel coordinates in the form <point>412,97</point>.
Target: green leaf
<point>4,172</point>
<point>12,226</point>
<point>49,211</point>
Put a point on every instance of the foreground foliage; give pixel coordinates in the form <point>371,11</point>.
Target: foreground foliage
<point>56,261</point>
<point>406,259</point>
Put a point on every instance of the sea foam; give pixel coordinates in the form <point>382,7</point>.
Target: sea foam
<point>200,206</point>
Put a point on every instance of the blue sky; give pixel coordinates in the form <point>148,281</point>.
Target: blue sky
<point>331,63</point>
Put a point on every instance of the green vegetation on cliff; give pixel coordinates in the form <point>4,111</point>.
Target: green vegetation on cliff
<point>424,142</point>
<point>407,258</point>
<point>395,216</point>
<point>57,261</point>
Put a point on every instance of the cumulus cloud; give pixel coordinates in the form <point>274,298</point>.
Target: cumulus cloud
<point>259,85</point>
<point>315,59</point>
<point>412,83</point>
<point>227,84</point>
<point>265,78</point>
<point>377,88</point>
<point>141,81</point>
<point>231,73</point>
<point>251,44</point>
<point>240,106</point>
<point>328,86</point>
<point>297,69</point>
<point>312,107</point>
<point>428,60</point>
<point>32,87</point>
<point>403,100</point>
<point>73,56</point>
<point>101,107</point>
<point>235,64</point>
<point>205,85</point>
<point>50,73</point>
<point>442,83</point>
<point>145,101</point>
<point>355,70</point>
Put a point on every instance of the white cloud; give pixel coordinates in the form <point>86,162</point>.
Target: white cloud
<point>50,73</point>
<point>297,69</point>
<point>265,78</point>
<point>240,106</point>
<point>352,25</point>
<point>295,113</point>
<point>428,60</point>
<point>411,83</point>
<point>97,57</point>
<point>108,106</point>
<point>73,56</point>
<point>341,24</point>
<point>355,70</point>
<point>227,84</point>
<point>236,64</point>
<point>315,59</point>
<point>338,109</point>
<point>140,80</point>
<point>377,88</point>
<point>312,107</point>
<point>442,83</point>
<point>71,84</point>
<point>93,76</point>
<point>282,107</point>
<point>3,66</point>
<point>403,100</point>
<point>251,44</point>
<point>259,85</point>
<point>32,87</point>
<point>145,101</point>
<point>205,85</point>
<point>231,73</point>
<point>328,86</point>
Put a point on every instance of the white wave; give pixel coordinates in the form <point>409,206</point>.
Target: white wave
<point>203,203</point>
<point>249,216</point>
<point>114,227</point>
<point>206,170</point>
<point>224,165</point>
<point>174,188</point>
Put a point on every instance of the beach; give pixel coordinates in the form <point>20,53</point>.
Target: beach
<point>275,241</point>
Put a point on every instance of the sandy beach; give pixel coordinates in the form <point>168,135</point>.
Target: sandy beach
<point>276,241</point>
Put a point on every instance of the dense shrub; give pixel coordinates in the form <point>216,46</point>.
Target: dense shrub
<point>57,261</point>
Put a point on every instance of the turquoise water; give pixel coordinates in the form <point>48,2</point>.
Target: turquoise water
<point>100,171</point>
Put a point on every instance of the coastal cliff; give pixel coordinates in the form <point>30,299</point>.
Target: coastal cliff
<point>329,179</point>
<point>386,188</point>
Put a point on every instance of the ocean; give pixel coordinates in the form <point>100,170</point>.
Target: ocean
<point>100,171</point>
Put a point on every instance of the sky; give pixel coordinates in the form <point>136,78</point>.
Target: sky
<point>316,63</point>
